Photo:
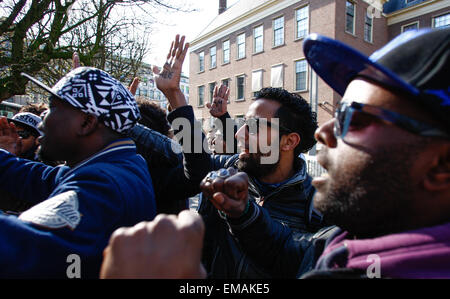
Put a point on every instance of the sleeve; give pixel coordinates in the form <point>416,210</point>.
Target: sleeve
<point>269,243</point>
<point>157,146</point>
<point>77,219</point>
<point>38,178</point>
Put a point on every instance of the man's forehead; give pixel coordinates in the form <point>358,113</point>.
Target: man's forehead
<point>263,108</point>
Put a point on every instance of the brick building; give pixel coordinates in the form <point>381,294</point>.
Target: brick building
<point>258,43</point>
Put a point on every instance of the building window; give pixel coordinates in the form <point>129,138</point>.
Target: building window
<point>213,55</point>
<point>302,15</point>
<point>258,39</point>
<point>201,96</point>
<point>278,31</point>
<point>276,76</point>
<point>257,80</point>
<point>226,82</point>
<point>201,61</point>
<point>241,46</point>
<point>240,86</point>
<point>368,27</point>
<point>301,72</point>
<point>211,91</point>
<point>350,17</point>
<point>413,26</point>
<point>441,21</point>
<point>226,51</point>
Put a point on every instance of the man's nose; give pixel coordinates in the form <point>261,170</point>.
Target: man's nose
<point>325,135</point>
<point>241,134</point>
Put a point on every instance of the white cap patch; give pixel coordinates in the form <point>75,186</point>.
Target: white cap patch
<point>56,212</point>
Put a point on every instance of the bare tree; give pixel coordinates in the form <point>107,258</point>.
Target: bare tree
<point>39,37</point>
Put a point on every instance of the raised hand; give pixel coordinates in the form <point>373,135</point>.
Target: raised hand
<point>167,247</point>
<point>75,60</point>
<point>9,139</point>
<point>133,86</point>
<point>220,100</point>
<point>168,80</point>
<point>227,190</point>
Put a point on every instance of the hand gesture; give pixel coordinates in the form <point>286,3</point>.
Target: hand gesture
<point>75,60</point>
<point>220,100</point>
<point>227,190</point>
<point>9,139</point>
<point>167,247</point>
<point>168,81</point>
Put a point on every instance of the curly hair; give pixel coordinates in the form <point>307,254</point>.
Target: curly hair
<point>153,117</point>
<point>294,114</point>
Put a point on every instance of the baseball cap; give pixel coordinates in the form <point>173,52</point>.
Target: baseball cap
<point>96,92</point>
<point>415,63</point>
<point>28,120</point>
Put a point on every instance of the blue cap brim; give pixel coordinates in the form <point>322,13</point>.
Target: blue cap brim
<point>338,64</point>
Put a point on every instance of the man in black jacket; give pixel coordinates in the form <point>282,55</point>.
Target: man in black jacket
<point>279,126</point>
<point>387,154</point>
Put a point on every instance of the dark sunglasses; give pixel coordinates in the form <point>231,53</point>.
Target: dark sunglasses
<point>253,125</point>
<point>24,134</point>
<point>344,116</point>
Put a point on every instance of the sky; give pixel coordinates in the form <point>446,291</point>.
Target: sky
<point>188,24</point>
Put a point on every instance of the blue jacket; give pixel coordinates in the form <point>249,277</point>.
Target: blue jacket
<point>77,210</point>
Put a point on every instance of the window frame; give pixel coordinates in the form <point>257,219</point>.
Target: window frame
<point>198,96</point>
<point>237,46</point>
<point>433,19</point>
<point>201,62</point>
<point>274,31</point>
<point>297,22</point>
<point>402,28</point>
<point>371,28</point>
<point>354,17</point>
<point>262,39</point>
<point>237,88</point>
<point>228,50</point>
<point>211,66</point>
<point>306,75</point>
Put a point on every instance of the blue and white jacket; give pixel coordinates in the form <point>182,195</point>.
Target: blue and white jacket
<point>76,211</point>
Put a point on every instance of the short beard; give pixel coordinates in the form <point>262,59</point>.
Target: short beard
<point>376,200</point>
<point>253,167</point>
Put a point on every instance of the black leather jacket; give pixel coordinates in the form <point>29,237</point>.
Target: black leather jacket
<point>290,205</point>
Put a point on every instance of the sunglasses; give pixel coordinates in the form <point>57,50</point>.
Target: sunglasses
<point>253,125</point>
<point>349,114</point>
<point>24,134</point>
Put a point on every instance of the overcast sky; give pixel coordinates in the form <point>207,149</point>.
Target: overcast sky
<point>189,24</point>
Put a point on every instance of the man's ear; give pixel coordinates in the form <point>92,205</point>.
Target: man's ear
<point>289,142</point>
<point>438,176</point>
<point>88,125</point>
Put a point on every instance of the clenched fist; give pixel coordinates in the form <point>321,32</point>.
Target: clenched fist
<point>168,247</point>
<point>227,190</point>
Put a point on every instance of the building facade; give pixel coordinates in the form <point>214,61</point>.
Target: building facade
<point>258,43</point>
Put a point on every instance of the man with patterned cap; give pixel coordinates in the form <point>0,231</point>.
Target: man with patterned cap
<point>27,128</point>
<point>103,186</point>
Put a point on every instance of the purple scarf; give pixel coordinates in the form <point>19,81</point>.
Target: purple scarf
<point>421,253</point>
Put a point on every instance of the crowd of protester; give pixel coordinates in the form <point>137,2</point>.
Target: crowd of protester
<point>107,178</point>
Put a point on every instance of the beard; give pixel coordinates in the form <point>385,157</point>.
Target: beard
<point>253,167</point>
<point>373,198</point>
